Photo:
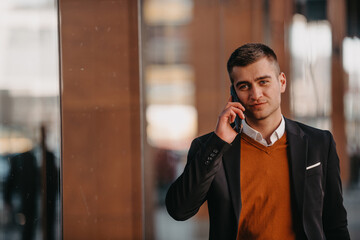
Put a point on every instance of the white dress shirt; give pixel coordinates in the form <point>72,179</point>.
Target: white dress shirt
<point>256,135</point>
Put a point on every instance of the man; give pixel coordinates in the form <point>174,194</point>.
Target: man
<point>276,179</point>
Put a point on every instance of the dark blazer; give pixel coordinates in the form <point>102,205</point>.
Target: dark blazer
<point>212,174</point>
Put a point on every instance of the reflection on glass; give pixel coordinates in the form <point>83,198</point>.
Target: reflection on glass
<point>351,60</point>
<point>171,116</point>
<point>310,47</point>
<point>29,120</point>
<point>165,12</point>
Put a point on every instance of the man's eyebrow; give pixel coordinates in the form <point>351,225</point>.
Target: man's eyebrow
<point>262,77</point>
<point>256,79</point>
<point>240,82</point>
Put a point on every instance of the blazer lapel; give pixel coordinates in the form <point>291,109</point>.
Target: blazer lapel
<point>297,153</point>
<point>231,162</point>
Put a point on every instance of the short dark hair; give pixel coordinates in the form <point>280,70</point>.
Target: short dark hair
<point>250,53</point>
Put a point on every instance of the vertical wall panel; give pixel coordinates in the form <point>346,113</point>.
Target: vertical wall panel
<point>101,120</point>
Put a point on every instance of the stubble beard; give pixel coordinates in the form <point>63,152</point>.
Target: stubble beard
<point>260,115</point>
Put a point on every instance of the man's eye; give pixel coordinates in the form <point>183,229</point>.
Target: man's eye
<point>243,87</point>
<point>264,82</point>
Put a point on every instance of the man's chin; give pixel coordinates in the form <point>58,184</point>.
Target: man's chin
<point>261,115</point>
<point>257,116</point>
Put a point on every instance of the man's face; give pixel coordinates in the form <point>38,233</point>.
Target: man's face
<point>259,87</point>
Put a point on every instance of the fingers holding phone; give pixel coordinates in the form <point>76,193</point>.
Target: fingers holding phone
<point>223,128</point>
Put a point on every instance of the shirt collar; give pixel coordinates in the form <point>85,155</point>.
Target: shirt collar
<point>256,135</point>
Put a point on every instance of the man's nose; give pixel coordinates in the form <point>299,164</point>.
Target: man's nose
<point>256,93</point>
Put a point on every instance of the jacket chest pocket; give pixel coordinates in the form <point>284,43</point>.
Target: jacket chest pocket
<point>314,186</point>
<point>314,169</point>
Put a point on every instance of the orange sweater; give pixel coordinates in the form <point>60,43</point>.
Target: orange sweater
<point>265,191</point>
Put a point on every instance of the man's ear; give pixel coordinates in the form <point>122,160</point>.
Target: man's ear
<point>282,79</point>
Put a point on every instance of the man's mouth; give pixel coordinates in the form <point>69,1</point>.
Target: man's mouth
<point>256,105</point>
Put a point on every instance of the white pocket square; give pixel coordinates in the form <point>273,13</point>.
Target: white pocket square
<point>312,166</point>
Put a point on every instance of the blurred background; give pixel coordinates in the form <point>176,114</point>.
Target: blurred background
<point>100,100</point>
<point>29,120</point>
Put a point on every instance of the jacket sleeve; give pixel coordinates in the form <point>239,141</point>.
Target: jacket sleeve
<point>189,191</point>
<point>334,213</point>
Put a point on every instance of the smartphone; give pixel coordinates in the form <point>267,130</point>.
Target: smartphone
<point>235,98</point>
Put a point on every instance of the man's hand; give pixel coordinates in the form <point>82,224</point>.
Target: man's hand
<point>227,116</point>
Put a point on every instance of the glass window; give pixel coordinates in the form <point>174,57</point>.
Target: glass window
<point>310,48</point>
<point>171,116</point>
<point>29,120</point>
